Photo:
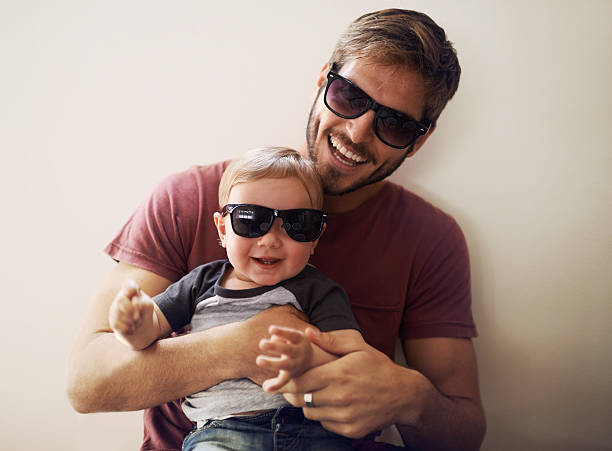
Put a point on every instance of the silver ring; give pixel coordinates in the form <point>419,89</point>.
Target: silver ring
<point>308,399</point>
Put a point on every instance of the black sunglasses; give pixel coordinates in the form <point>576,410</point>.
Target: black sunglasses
<point>252,221</point>
<point>347,100</point>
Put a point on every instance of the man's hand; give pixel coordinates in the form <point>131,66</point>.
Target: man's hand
<point>257,327</point>
<point>353,395</point>
<point>436,405</point>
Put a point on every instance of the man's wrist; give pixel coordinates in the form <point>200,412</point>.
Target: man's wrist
<point>415,394</point>
<point>433,420</point>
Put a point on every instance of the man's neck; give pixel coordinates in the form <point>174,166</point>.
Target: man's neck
<point>350,201</point>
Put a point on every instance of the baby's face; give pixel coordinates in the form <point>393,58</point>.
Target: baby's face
<point>273,257</point>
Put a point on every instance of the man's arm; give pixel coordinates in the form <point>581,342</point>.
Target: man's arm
<point>451,415</point>
<point>435,404</point>
<point>105,375</point>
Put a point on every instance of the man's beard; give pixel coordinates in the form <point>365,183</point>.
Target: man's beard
<point>332,178</point>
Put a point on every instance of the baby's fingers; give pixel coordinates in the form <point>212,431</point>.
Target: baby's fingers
<point>277,347</point>
<point>271,385</point>
<point>283,363</point>
<point>130,289</point>
<point>124,316</point>
<point>129,309</point>
<point>287,333</point>
<point>122,326</point>
<point>269,363</point>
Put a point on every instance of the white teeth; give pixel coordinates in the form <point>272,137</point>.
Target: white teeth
<point>345,152</point>
<point>268,261</point>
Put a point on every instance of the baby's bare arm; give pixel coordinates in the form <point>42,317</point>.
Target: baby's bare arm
<point>135,319</point>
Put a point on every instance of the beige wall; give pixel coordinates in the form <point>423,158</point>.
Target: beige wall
<point>100,99</point>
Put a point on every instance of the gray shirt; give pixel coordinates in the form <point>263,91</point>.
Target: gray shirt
<point>198,300</point>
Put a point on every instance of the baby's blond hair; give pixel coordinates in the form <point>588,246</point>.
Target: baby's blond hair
<point>272,162</point>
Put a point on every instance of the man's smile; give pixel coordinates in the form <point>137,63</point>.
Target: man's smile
<point>343,154</point>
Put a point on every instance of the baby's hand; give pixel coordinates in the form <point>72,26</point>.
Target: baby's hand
<point>288,351</point>
<point>129,308</point>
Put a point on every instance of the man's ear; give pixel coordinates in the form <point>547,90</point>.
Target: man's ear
<point>421,140</point>
<point>323,75</point>
<point>220,224</point>
<point>315,242</point>
<point>321,79</point>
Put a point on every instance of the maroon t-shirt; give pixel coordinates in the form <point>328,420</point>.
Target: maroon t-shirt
<point>403,263</point>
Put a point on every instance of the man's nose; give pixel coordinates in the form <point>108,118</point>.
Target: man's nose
<point>361,129</point>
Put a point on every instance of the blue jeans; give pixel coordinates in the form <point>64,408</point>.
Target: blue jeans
<point>281,429</point>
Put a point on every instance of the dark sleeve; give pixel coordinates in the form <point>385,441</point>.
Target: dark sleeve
<point>160,234</point>
<point>179,300</point>
<point>323,300</point>
<point>440,301</point>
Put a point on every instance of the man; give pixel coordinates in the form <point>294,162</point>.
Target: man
<point>403,263</point>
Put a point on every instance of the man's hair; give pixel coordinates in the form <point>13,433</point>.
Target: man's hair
<point>405,38</point>
<point>276,163</point>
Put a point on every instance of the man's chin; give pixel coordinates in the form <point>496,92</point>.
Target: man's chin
<point>336,187</point>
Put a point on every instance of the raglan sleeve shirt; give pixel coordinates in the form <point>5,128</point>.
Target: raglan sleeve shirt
<point>323,300</point>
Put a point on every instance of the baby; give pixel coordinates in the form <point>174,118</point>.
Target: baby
<point>270,221</point>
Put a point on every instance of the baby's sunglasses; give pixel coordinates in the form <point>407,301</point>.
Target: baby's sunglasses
<point>253,221</point>
<point>347,100</point>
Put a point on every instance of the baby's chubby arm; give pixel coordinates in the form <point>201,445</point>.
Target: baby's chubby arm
<point>291,353</point>
<point>135,319</point>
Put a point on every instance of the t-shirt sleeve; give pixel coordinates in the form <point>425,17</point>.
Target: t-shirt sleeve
<point>440,300</point>
<point>159,234</point>
<point>324,301</point>
<point>179,300</point>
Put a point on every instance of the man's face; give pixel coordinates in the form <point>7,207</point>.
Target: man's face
<point>347,152</point>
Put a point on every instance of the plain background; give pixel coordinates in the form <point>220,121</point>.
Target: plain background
<point>101,99</point>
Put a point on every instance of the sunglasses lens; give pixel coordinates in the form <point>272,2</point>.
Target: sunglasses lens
<point>348,101</point>
<point>303,225</point>
<point>251,221</point>
<point>345,99</point>
<point>394,129</point>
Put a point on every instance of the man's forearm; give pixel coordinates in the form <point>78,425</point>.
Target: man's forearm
<point>445,423</point>
<point>105,375</point>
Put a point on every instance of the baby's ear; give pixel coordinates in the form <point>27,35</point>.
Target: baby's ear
<point>220,224</point>
<point>315,242</point>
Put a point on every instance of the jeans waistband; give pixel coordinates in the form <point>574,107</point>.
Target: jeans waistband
<point>282,415</point>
